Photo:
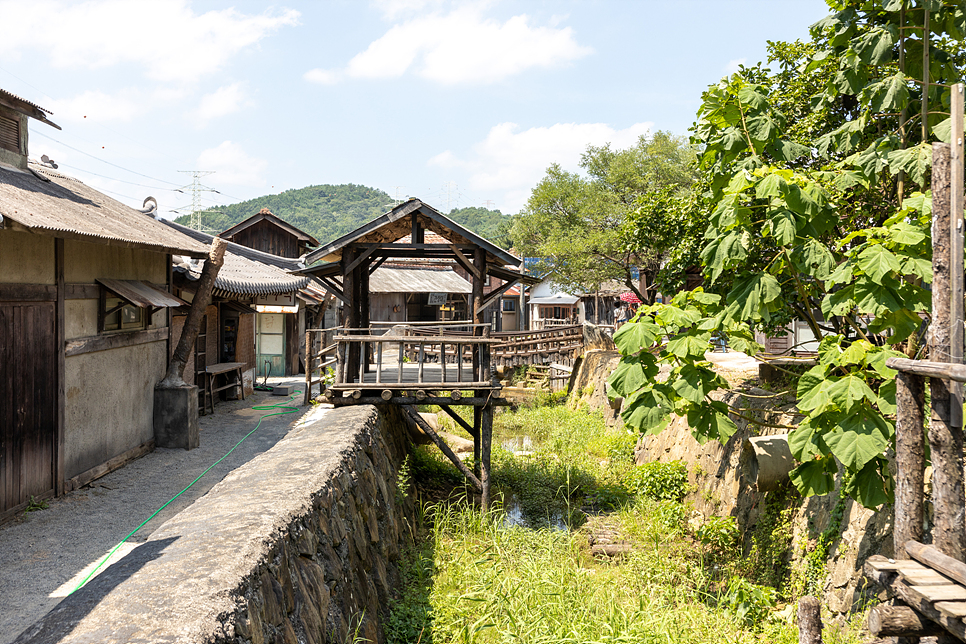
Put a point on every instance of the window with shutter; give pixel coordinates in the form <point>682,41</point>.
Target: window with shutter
<point>10,134</point>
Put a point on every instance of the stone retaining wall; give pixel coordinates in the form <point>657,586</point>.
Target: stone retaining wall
<point>297,545</point>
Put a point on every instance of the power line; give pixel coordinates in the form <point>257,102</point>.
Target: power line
<point>104,161</point>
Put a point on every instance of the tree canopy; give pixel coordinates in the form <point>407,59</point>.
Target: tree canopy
<point>578,224</point>
<point>820,214</point>
<point>329,211</point>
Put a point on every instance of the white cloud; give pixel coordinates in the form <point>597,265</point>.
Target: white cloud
<point>733,65</point>
<point>509,162</point>
<point>223,101</point>
<point>233,165</point>
<point>166,37</point>
<point>98,106</point>
<point>323,76</point>
<point>464,47</point>
<point>392,9</point>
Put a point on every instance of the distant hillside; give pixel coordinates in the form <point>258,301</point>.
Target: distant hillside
<point>327,212</point>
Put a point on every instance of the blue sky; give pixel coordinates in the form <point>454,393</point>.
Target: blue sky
<point>458,103</point>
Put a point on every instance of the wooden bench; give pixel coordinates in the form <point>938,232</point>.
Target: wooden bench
<point>210,376</point>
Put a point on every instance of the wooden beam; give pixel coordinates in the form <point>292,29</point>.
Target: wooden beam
<point>333,287</point>
<point>441,444</point>
<point>459,420</point>
<point>488,299</point>
<point>103,469</point>
<point>900,621</point>
<point>930,556</point>
<point>362,257</point>
<point>28,292</point>
<point>956,250</point>
<point>465,263</point>
<point>889,580</point>
<point>929,369</point>
<point>379,262</point>
<point>60,339</point>
<point>105,342</point>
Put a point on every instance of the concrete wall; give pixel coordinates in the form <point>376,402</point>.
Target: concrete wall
<point>298,545</point>
<point>110,393</point>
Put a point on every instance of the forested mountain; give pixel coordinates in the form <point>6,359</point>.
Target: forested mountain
<point>327,212</point>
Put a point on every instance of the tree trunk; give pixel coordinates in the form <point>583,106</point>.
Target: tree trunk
<point>189,333</point>
<point>809,620</point>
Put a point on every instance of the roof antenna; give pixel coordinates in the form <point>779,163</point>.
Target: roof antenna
<point>150,210</point>
<point>48,161</point>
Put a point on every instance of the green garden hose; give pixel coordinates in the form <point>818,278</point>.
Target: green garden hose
<point>281,405</point>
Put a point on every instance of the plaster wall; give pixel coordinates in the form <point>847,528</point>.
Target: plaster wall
<point>26,258</point>
<point>84,263</point>
<point>110,403</point>
<point>298,545</point>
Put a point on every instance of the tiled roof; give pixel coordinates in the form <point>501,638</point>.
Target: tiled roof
<point>242,273</point>
<point>45,201</point>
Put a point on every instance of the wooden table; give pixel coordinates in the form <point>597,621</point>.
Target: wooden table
<point>210,375</point>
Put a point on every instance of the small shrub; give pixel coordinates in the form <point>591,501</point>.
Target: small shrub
<point>659,481</point>
<point>749,602</point>
<point>720,534</point>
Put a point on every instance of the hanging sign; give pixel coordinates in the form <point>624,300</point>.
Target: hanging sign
<point>437,299</point>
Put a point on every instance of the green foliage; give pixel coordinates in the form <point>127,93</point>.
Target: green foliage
<point>403,481</point>
<point>823,208</point>
<point>769,557</point>
<point>720,534</point>
<point>410,615</point>
<point>750,602</point>
<point>34,505</point>
<point>809,577</point>
<point>659,481</point>
<point>595,228</point>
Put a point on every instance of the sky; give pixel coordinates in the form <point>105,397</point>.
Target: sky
<point>458,103</point>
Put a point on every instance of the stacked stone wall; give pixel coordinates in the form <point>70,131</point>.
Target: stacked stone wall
<point>298,545</point>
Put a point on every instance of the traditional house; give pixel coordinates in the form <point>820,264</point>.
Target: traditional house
<point>85,301</point>
<point>280,321</point>
<point>551,306</point>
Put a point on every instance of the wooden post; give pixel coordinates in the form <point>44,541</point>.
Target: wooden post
<point>349,287</point>
<point>945,441</point>
<point>901,622</point>
<point>910,461</point>
<point>476,440</point>
<point>809,620</point>
<point>486,412</point>
<point>486,439</point>
<point>956,249</point>
<point>309,361</point>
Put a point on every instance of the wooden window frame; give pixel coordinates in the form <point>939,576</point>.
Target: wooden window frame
<point>103,313</point>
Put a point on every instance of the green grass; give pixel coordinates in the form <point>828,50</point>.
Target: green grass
<point>473,577</point>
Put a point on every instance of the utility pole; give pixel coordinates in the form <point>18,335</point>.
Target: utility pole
<point>196,188</point>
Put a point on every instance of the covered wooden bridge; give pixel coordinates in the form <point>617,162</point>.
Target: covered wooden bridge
<point>385,363</point>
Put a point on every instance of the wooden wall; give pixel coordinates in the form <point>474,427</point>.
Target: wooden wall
<point>269,238</point>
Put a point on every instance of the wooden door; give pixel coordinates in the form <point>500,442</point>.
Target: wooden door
<point>28,402</point>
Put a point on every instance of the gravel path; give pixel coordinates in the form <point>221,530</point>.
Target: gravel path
<point>43,553</point>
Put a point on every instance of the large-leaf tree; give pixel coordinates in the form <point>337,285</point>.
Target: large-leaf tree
<point>578,223</point>
<point>818,210</point>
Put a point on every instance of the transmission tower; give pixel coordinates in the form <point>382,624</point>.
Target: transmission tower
<point>196,188</point>
<point>488,203</point>
<point>450,187</point>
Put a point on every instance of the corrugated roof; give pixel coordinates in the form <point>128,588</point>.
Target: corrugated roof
<point>417,280</point>
<point>65,207</point>
<point>24,106</point>
<point>142,293</point>
<point>242,274</point>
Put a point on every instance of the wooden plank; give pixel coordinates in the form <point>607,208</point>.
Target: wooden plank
<point>956,250</point>
<point>28,292</point>
<point>464,262</point>
<point>408,339</point>
<point>942,592</point>
<point>103,469</point>
<point>925,578</point>
<point>956,610</point>
<point>936,560</point>
<point>83,291</point>
<point>93,343</point>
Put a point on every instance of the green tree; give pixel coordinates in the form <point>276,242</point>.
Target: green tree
<point>578,223</point>
<point>822,216</point>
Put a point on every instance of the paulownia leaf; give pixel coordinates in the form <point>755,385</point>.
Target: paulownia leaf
<point>783,227</point>
<point>859,438</point>
<point>647,410</point>
<point>751,295</point>
<point>677,318</point>
<point>868,487</point>
<point>887,397</point>
<point>849,391</point>
<point>633,337</point>
<point>630,375</point>
<point>710,421</point>
<point>889,95</point>
<point>803,441</point>
<point>770,186</point>
<point>875,298</point>
<point>814,477</point>
<point>689,345</point>
<point>856,353</point>
<point>914,161</point>
<point>816,399</point>
<point>694,382</point>
<point>876,260</point>
<point>814,258</point>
